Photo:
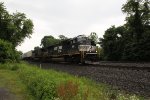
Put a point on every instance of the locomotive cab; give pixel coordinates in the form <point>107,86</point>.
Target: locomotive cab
<point>87,49</point>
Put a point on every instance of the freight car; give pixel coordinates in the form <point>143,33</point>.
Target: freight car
<point>80,49</point>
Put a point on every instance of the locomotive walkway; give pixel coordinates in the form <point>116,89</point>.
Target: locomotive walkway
<point>132,81</point>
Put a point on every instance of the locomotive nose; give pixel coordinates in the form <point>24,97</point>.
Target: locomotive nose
<point>84,47</point>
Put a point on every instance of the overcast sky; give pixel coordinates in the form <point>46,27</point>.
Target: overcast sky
<point>67,17</point>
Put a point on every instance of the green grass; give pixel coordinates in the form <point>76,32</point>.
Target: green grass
<point>11,81</point>
<point>50,84</point>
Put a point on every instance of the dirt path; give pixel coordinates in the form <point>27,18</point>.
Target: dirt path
<point>6,95</point>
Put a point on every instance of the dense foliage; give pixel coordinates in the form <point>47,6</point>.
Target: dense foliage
<point>7,52</point>
<point>13,29</point>
<point>93,36</point>
<point>48,40</point>
<point>113,43</point>
<point>132,40</point>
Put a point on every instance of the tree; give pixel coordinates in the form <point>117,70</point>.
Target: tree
<point>48,40</point>
<point>138,17</point>
<point>113,43</point>
<point>62,37</point>
<point>138,26</point>
<point>93,36</point>
<point>14,27</point>
<point>131,41</point>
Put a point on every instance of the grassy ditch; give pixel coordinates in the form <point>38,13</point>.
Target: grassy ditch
<point>53,85</point>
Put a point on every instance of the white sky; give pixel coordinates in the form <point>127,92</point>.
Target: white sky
<point>67,17</point>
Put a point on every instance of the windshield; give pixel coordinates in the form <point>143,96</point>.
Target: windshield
<point>82,39</point>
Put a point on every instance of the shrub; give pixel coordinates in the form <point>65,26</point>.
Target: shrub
<point>8,52</point>
<point>14,67</point>
<point>39,83</point>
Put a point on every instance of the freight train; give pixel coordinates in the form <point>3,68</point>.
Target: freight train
<point>79,49</point>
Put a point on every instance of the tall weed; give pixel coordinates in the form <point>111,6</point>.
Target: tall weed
<point>68,90</point>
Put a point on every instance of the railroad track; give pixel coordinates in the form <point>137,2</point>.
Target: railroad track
<point>120,65</point>
<point>131,67</point>
<point>133,79</point>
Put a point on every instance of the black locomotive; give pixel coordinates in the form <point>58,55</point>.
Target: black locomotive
<point>80,49</point>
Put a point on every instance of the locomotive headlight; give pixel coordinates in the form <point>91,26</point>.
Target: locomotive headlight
<point>96,50</point>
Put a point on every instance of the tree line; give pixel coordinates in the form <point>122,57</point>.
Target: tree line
<point>131,41</point>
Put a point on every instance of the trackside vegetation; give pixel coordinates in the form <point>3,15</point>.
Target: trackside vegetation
<point>8,53</point>
<point>53,85</point>
<point>14,88</point>
<point>131,41</point>
<point>14,28</point>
